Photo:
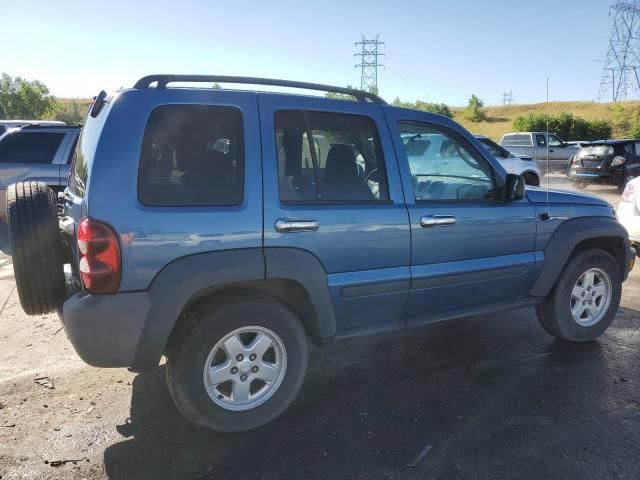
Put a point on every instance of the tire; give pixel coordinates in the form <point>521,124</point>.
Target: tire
<point>580,185</point>
<point>555,313</point>
<point>192,348</point>
<point>531,179</point>
<point>34,234</point>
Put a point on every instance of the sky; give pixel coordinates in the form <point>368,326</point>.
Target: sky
<point>438,51</point>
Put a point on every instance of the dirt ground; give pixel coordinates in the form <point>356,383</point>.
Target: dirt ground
<point>483,397</point>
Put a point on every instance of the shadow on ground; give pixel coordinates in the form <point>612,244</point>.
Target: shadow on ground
<point>493,397</point>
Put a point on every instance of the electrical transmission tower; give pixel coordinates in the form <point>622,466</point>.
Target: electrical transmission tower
<point>369,63</point>
<point>620,73</point>
<point>507,98</point>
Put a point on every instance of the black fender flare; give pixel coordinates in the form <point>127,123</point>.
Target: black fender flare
<point>305,268</point>
<point>186,278</point>
<point>567,237</point>
<point>177,283</point>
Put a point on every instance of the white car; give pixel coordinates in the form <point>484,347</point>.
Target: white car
<point>629,211</point>
<point>519,164</point>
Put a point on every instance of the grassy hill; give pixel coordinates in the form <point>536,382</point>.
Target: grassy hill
<point>500,118</point>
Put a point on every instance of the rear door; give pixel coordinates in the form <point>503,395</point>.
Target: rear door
<point>469,247</point>
<point>339,198</point>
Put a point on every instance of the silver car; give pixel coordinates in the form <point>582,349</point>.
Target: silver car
<point>538,145</point>
<point>36,152</point>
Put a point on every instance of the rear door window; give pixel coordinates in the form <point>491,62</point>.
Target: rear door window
<point>192,155</point>
<point>30,147</point>
<point>343,163</point>
<point>541,141</point>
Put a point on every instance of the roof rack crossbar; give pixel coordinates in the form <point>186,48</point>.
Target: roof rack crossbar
<point>163,80</point>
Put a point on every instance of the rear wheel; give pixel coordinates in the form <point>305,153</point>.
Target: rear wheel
<point>35,242</point>
<point>238,364</point>
<point>585,299</point>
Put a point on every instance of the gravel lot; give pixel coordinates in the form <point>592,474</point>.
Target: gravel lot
<point>483,397</point>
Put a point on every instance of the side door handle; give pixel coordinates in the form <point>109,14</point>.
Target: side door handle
<point>437,221</point>
<point>286,225</point>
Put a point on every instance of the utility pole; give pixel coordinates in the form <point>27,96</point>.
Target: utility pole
<point>622,61</point>
<point>507,98</point>
<point>369,62</point>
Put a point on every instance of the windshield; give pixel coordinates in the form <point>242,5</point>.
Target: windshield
<point>494,149</point>
<point>595,151</point>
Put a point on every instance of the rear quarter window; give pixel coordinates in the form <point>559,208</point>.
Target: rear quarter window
<point>192,155</point>
<point>30,147</point>
<point>516,140</point>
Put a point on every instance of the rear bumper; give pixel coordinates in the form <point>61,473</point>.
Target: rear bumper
<point>609,177</point>
<point>105,330</point>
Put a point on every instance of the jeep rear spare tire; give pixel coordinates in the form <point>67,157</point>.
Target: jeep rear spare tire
<point>34,236</point>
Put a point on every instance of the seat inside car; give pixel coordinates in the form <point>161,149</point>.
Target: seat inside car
<point>342,179</point>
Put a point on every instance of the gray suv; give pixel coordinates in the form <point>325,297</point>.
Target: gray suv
<point>228,230</point>
<point>36,153</point>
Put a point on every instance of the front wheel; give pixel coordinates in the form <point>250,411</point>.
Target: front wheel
<point>585,299</point>
<point>238,364</point>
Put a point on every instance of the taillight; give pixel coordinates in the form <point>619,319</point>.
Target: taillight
<point>629,193</point>
<point>99,255</point>
<point>618,161</point>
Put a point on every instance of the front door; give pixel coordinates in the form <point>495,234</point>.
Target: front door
<point>332,188</point>
<point>469,247</point>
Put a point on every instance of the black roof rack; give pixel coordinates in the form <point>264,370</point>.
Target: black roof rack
<point>163,80</point>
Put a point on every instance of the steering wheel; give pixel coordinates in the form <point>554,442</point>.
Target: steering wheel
<point>370,173</point>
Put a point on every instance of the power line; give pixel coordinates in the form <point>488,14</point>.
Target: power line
<point>507,98</point>
<point>620,72</point>
<point>403,63</point>
<point>369,62</point>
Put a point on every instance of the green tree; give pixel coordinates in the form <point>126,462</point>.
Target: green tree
<point>20,98</point>
<point>439,108</point>
<point>71,112</point>
<point>475,112</point>
<point>634,131</point>
<point>565,125</point>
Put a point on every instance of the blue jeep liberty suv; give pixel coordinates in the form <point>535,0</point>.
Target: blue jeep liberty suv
<point>228,230</point>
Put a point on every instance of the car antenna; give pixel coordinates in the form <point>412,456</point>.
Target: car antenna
<point>546,215</point>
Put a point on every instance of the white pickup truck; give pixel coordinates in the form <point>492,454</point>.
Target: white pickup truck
<point>534,144</point>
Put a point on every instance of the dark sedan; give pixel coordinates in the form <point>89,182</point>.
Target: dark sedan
<point>610,162</point>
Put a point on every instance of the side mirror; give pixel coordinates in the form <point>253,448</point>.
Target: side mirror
<point>514,187</point>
